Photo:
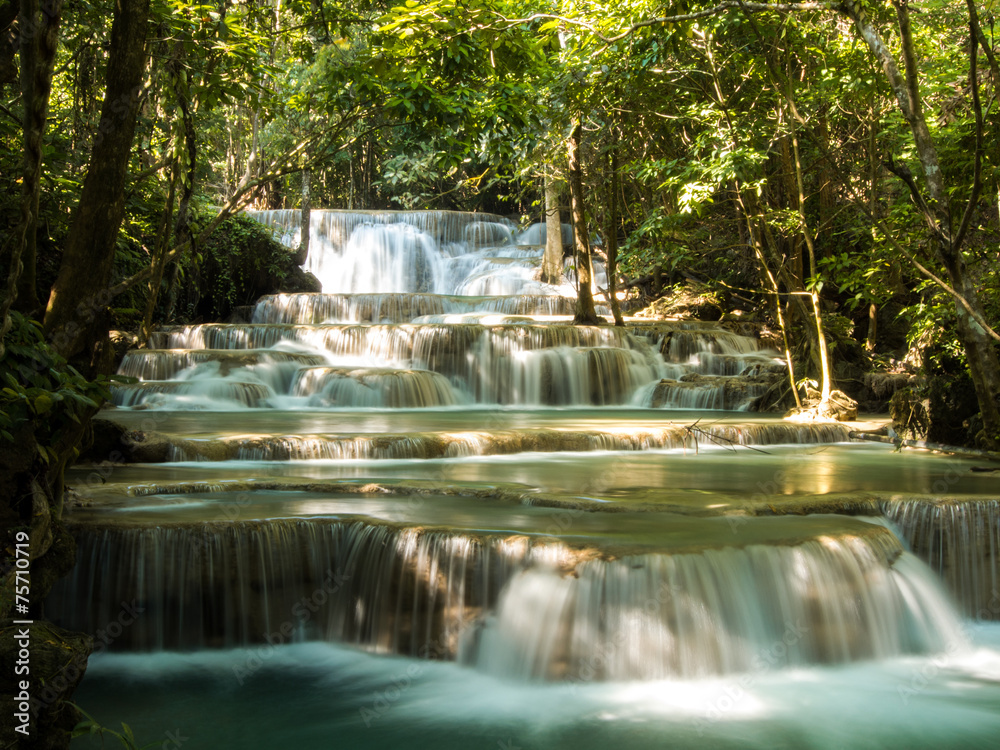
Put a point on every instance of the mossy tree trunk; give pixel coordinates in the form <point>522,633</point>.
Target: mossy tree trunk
<point>585,312</point>
<point>552,260</point>
<point>79,298</point>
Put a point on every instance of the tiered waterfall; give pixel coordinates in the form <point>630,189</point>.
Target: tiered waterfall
<point>423,507</point>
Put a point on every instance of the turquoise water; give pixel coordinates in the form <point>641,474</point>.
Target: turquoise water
<point>326,696</point>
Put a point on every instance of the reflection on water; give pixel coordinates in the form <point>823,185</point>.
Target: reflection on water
<point>620,476</point>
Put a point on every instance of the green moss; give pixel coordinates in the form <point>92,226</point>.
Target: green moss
<point>238,263</point>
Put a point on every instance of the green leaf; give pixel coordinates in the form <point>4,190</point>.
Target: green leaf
<point>42,403</point>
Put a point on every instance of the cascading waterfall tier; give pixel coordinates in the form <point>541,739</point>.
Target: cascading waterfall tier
<point>495,442</point>
<point>401,308</point>
<point>525,363</point>
<point>959,538</point>
<point>831,600</point>
<point>709,392</point>
<point>177,393</point>
<point>438,252</point>
<point>514,364</point>
<point>374,387</point>
<point>221,585</point>
<point>441,292</point>
<point>164,364</point>
<point>335,227</point>
<point>509,604</point>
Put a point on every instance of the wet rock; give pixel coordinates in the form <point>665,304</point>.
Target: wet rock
<point>839,408</point>
<point>935,411</point>
<point>58,663</point>
<point>147,447</point>
<point>107,443</point>
<point>240,314</point>
<point>691,301</point>
<point>121,342</point>
<point>299,281</point>
<point>876,389</point>
<point>694,391</point>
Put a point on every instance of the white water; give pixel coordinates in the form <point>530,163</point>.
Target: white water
<point>717,612</point>
<point>448,294</point>
<point>437,252</point>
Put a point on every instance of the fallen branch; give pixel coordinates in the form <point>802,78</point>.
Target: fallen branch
<point>728,443</point>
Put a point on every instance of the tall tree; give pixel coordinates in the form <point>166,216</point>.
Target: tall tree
<point>79,297</point>
<point>552,259</point>
<point>38,54</point>
<point>585,311</point>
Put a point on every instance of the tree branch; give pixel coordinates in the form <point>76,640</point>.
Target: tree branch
<point>988,51</point>
<point>909,57</point>
<point>903,173</point>
<point>663,20</point>
<point>150,171</point>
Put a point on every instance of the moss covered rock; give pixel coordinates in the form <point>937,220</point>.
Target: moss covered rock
<point>240,262</point>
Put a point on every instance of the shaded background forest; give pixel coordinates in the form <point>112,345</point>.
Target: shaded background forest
<point>757,156</point>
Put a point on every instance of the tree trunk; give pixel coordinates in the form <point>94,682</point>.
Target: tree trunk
<point>80,293</point>
<point>823,353</point>
<point>38,53</point>
<point>552,260</point>
<point>160,254</point>
<point>757,245</point>
<point>585,312</point>
<point>980,351</point>
<point>872,337</point>
<point>611,231</point>
<point>302,254</point>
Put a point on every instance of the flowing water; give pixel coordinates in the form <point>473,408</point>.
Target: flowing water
<point>422,509</point>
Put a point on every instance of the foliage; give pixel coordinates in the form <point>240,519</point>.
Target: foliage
<point>91,727</point>
<point>41,392</point>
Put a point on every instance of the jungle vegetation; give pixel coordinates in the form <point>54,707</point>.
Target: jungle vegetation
<point>829,169</point>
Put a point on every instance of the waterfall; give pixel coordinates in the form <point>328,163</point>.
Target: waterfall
<point>421,507</point>
<point>164,364</point>
<point>550,364</point>
<point>451,302</point>
<point>960,540</point>
<point>507,604</point>
<point>374,387</point>
<point>404,251</point>
<point>496,442</point>
<point>400,308</point>
<point>717,612</point>
<point>227,584</point>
